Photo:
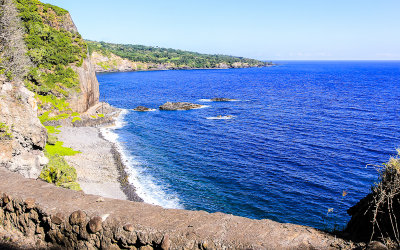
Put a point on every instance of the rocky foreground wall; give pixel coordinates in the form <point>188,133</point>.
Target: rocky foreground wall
<point>52,216</point>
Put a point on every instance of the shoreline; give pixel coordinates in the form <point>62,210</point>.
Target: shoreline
<point>152,70</point>
<point>100,166</point>
<point>126,187</point>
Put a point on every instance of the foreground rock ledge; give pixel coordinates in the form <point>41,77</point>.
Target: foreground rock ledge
<point>52,216</point>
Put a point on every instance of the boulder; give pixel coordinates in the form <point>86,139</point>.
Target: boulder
<point>179,106</point>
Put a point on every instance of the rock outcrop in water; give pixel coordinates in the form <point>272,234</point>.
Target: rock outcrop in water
<point>219,99</point>
<point>171,106</point>
<point>142,109</point>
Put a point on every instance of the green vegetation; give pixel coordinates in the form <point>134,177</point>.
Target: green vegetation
<point>45,117</point>
<point>179,58</point>
<point>52,129</point>
<point>54,51</point>
<point>5,133</point>
<point>77,118</point>
<point>60,173</point>
<point>58,149</point>
<point>52,140</point>
<point>57,170</point>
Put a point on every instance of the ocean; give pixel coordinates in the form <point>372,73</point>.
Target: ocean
<point>304,142</point>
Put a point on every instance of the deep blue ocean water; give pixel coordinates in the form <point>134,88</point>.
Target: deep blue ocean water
<point>302,133</point>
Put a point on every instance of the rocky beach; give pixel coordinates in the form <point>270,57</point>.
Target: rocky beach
<point>99,166</point>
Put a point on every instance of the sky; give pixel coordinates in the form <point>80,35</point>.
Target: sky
<point>260,29</point>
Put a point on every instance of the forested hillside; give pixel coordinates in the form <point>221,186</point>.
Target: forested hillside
<point>176,59</point>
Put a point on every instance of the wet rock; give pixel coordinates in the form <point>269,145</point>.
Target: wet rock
<point>171,106</point>
<point>95,224</point>
<point>219,99</point>
<point>77,218</point>
<point>142,109</point>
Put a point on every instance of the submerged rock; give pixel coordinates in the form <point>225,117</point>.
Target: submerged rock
<point>220,117</point>
<point>219,99</point>
<point>142,109</point>
<point>180,106</point>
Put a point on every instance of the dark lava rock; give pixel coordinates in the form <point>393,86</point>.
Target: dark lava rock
<point>142,109</point>
<point>77,217</point>
<point>179,106</point>
<point>129,228</point>
<point>95,224</point>
<point>218,99</point>
<point>57,219</point>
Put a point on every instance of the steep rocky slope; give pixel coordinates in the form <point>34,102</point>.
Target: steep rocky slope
<point>22,150</point>
<point>45,71</point>
<point>22,136</point>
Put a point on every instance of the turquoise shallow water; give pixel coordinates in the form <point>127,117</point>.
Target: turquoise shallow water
<point>301,134</point>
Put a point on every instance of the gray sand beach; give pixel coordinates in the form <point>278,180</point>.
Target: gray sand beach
<point>96,167</point>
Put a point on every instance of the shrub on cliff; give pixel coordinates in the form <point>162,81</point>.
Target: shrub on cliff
<point>377,216</point>
<point>5,132</point>
<point>60,173</point>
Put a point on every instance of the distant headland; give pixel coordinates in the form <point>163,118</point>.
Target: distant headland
<point>111,57</point>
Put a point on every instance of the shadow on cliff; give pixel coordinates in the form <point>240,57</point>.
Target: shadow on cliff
<point>376,217</point>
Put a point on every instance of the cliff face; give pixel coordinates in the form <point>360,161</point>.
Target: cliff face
<point>89,88</point>
<point>88,95</point>
<point>22,150</point>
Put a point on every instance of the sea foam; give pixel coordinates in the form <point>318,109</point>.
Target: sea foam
<point>146,186</point>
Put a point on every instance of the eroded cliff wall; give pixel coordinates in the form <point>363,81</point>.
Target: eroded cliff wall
<point>24,137</point>
<point>89,88</point>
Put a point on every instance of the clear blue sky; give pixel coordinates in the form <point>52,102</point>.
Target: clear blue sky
<point>262,29</point>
